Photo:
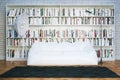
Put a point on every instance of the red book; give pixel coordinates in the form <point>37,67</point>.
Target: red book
<point>98,53</point>
<point>104,33</point>
<point>95,33</point>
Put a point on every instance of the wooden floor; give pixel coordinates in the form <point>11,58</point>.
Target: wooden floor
<point>4,66</point>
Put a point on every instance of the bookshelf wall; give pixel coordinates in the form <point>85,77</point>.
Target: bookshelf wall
<point>61,23</point>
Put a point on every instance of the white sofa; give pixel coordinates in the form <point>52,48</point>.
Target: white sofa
<point>62,54</point>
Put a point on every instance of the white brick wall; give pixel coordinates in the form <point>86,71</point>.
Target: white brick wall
<point>117,29</point>
<point>80,2</point>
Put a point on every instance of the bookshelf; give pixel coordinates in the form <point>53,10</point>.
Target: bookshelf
<point>59,23</point>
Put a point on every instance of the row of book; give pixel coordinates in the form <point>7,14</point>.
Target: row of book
<point>10,21</point>
<point>67,20</point>
<point>63,33</point>
<point>17,53</point>
<point>106,53</point>
<point>21,42</point>
<point>23,53</point>
<point>72,20</point>
<point>63,11</point>
<point>103,42</point>
<point>29,41</point>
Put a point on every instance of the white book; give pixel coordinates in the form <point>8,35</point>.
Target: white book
<point>72,21</point>
<point>103,42</point>
<point>30,21</point>
<point>26,42</point>
<point>39,21</point>
<point>13,12</point>
<point>107,42</point>
<point>108,36</point>
<point>100,42</point>
<point>103,52</point>
<point>45,11</point>
<point>10,53</point>
<point>36,34</point>
<point>17,11</point>
<point>10,13</point>
<point>60,33</point>
<point>31,33</point>
<point>68,21</point>
<point>98,33</point>
<point>21,11</point>
<point>31,11</point>
<point>27,11</point>
<point>56,12</point>
<point>34,21</point>
<point>77,12</point>
<point>9,33</point>
<point>103,12</point>
<point>91,21</point>
<point>10,21</point>
<point>109,12</point>
<point>52,11</point>
<point>22,53</point>
<point>97,22</point>
<point>92,42</point>
<point>66,11</point>
<point>52,21</point>
<point>49,12</point>
<point>92,12</point>
<point>30,42</point>
<point>71,12</point>
<point>37,12</point>
<point>82,12</point>
<point>107,53</point>
<point>8,42</point>
<point>16,53</point>
<point>18,42</point>
<point>110,33</point>
<point>96,42</point>
<point>12,33</point>
<point>62,20</point>
<point>91,33</point>
<point>100,12</point>
<point>79,21</point>
<point>23,42</point>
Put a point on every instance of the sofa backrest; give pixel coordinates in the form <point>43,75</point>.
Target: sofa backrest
<point>64,46</point>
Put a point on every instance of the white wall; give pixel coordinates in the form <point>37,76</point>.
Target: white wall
<point>38,2</point>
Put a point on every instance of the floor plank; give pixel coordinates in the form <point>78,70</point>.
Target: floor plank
<point>7,65</point>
